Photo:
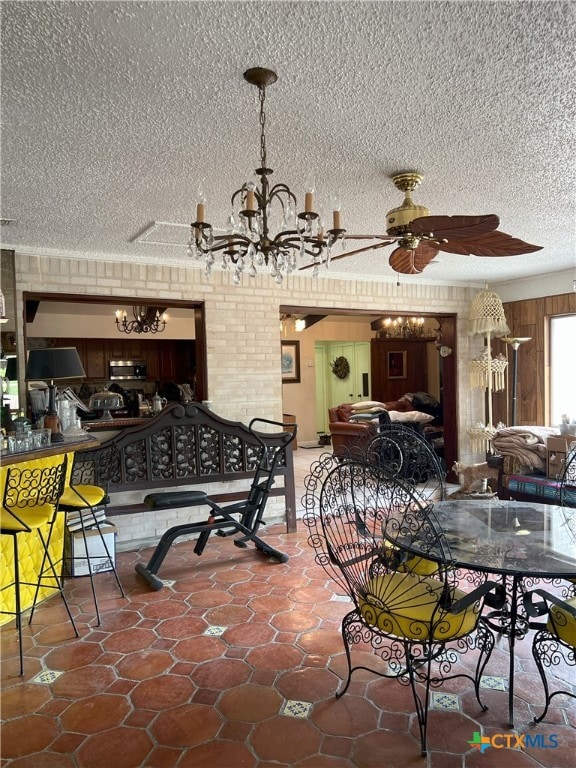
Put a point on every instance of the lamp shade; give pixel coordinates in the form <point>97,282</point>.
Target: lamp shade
<point>54,363</point>
<point>12,369</point>
<point>487,315</point>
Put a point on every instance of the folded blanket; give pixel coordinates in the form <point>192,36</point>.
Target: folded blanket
<point>527,444</point>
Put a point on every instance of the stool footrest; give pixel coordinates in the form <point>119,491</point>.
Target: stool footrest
<point>171,499</point>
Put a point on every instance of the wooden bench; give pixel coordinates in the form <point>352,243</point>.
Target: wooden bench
<point>182,446</point>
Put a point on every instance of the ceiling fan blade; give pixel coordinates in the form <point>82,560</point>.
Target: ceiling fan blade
<point>410,262</point>
<point>402,260</point>
<point>490,244</point>
<point>454,227</point>
<point>424,254</point>
<point>351,253</point>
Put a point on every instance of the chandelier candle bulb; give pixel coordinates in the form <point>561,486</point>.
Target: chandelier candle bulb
<point>309,196</point>
<point>336,223</point>
<point>200,213</point>
<point>250,200</point>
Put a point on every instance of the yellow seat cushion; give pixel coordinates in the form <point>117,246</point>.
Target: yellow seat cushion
<point>82,496</point>
<point>421,565</point>
<point>32,517</point>
<point>562,623</point>
<point>406,604</point>
<point>416,563</point>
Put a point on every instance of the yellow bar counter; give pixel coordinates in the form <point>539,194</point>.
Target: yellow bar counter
<point>30,551</point>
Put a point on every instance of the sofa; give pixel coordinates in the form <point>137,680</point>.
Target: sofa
<point>352,425</point>
<point>346,434</point>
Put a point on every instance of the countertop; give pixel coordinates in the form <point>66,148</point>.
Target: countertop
<point>93,426</point>
<point>66,446</point>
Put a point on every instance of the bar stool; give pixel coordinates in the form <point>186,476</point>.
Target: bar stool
<point>30,504</point>
<point>96,467</point>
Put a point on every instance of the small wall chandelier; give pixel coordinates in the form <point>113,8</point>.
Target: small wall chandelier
<point>249,242</point>
<point>146,320</point>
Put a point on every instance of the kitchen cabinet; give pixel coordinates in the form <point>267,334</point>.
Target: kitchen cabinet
<point>166,360</point>
<point>168,356</point>
<point>94,358</point>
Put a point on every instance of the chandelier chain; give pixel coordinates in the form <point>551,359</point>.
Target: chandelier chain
<point>262,93</point>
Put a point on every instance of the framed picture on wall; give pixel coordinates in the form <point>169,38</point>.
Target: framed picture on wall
<point>290,362</point>
<point>396,365</point>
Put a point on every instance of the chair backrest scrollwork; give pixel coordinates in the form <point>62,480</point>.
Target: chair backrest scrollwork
<point>33,485</point>
<point>567,479</point>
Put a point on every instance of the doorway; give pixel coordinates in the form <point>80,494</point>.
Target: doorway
<point>333,388</point>
<point>308,399</point>
<point>102,309</point>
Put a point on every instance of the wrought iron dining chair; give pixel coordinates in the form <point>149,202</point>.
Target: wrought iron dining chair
<point>408,456</point>
<point>365,528</point>
<point>553,642</point>
<point>566,494</point>
<point>567,479</point>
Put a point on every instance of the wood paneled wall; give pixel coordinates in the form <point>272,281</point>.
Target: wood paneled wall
<point>530,318</point>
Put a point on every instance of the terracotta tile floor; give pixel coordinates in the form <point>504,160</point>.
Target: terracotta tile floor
<point>236,664</point>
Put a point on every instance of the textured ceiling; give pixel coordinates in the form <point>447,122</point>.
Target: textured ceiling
<point>113,111</point>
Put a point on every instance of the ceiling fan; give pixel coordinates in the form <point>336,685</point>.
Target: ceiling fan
<point>420,236</point>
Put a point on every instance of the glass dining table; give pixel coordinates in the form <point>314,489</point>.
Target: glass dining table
<point>519,544</point>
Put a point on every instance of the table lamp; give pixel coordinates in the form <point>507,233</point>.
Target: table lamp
<point>12,369</point>
<point>52,364</point>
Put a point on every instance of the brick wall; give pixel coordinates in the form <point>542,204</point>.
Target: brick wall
<point>243,338</point>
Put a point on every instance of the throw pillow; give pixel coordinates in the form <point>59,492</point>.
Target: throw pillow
<point>414,416</point>
<point>363,406</point>
<point>373,409</point>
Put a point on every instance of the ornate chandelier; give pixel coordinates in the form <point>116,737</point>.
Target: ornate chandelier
<point>146,320</point>
<point>402,328</point>
<point>248,242</point>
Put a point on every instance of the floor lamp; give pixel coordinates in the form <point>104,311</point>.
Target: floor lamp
<point>486,318</point>
<point>515,343</point>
